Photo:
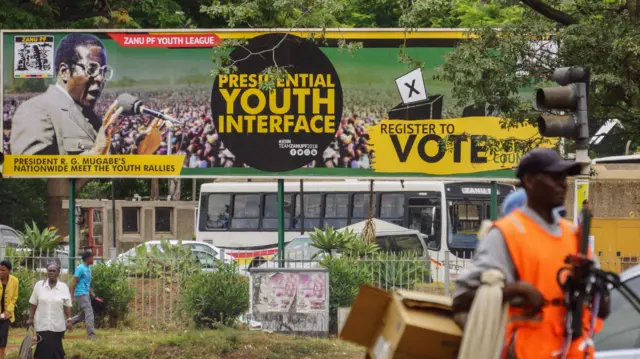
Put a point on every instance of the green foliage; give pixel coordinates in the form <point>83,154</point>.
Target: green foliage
<point>168,260</point>
<point>345,278</point>
<point>120,14</point>
<point>39,242</point>
<point>23,200</point>
<point>404,270</point>
<point>126,188</point>
<point>329,239</point>
<point>220,297</point>
<point>598,34</point>
<point>111,283</point>
<point>359,248</point>
<point>383,270</point>
<point>26,280</point>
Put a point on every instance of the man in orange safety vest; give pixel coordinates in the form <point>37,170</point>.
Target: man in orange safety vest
<point>529,247</point>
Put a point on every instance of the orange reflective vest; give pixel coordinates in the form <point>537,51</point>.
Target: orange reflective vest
<point>537,257</point>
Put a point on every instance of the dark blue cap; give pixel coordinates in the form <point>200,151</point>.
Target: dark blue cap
<point>548,161</point>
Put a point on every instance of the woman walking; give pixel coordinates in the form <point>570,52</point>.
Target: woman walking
<point>50,314</point>
<point>8,301</point>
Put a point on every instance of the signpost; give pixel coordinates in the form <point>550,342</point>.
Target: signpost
<point>72,225</point>
<point>333,114</point>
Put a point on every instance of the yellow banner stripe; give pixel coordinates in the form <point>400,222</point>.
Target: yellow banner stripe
<point>336,34</point>
<point>79,166</point>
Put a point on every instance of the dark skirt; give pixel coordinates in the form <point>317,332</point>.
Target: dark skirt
<point>4,333</point>
<point>50,346</point>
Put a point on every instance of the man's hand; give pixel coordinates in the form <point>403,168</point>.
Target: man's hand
<point>69,326</point>
<point>527,296</point>
<point>7,315</point>
<point>152,137</point>
<point>103,140</point>
<point>29,322</point>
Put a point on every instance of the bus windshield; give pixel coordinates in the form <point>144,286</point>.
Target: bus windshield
<point>468,205</point>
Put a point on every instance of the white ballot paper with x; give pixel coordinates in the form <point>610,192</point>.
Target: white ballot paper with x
<point>411,87</point>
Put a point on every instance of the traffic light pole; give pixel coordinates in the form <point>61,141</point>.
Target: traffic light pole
<point>582,142</point>
<point>572,99</point>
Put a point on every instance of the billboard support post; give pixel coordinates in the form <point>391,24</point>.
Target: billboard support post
<point>280,201</point>
<point>301,210</point>
<point>494,200</point>
<point>113,218</point>
<point>72,225</point>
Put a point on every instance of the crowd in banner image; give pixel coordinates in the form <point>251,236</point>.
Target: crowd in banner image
<point>197,138</point>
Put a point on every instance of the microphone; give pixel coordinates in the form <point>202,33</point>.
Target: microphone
<point>132,105</point>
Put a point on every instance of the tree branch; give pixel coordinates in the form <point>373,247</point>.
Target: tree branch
<point>549,12</point>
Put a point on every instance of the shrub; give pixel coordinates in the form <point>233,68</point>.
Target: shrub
<point>216,297</point>
<point>346,275</point>
<point>27,279</point>
<point>328,239</point>
<point>405,271</point>
<point>166,260</point>
<point>36,240</point>
<point>110,283</point>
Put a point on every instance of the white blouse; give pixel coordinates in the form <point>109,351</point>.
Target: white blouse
<point>49,316</point>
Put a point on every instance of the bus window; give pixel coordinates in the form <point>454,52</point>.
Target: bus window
<point>466,217</point>
<point>424,216</point>
<point>336,210</point>
<point>270,215</point>
<point>246,211</point>
<point>392,208</point>
<point>312,205</point>
<point>218,211</point>
<point>360,210</point>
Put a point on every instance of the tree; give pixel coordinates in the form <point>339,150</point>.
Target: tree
<point>603,35</point>
<point>23,201</point>
<point>60,14</point>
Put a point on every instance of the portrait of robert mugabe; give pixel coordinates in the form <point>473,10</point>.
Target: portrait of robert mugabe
<point>62,120</point>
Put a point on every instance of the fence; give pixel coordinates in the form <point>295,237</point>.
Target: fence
<point>157,282</point>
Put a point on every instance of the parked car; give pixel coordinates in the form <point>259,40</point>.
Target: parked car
<point>9,237</point>
<point>620,336</point>
<point>299,253</point>
<point>205,253</point>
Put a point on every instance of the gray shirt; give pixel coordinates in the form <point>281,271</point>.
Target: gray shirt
<point>492,253</point>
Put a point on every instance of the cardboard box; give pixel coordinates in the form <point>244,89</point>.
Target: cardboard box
<point>403,325</point>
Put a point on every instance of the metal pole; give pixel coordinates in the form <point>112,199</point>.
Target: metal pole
<point>72,225</point>
<point>494,200</point>
<point>301,207</point>
<point>280,202</point>
<point>113,218</point>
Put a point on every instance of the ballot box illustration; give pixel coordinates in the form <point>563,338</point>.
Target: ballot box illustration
<point>416,103</point>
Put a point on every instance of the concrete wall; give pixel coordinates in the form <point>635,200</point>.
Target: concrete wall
<point>609,198</point>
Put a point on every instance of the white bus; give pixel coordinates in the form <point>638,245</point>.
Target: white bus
<point>243,216</point>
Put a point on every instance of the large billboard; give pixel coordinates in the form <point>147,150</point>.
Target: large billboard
<point>146,104</point>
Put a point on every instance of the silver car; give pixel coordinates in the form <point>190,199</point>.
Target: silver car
<point>620,337</point>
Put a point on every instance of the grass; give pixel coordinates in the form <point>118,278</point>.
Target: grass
<point>222,343</point>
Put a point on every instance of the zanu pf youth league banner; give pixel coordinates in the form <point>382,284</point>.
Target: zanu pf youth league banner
<point>144,104</point>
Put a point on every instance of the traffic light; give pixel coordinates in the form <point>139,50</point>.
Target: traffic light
<point>571,97</point>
